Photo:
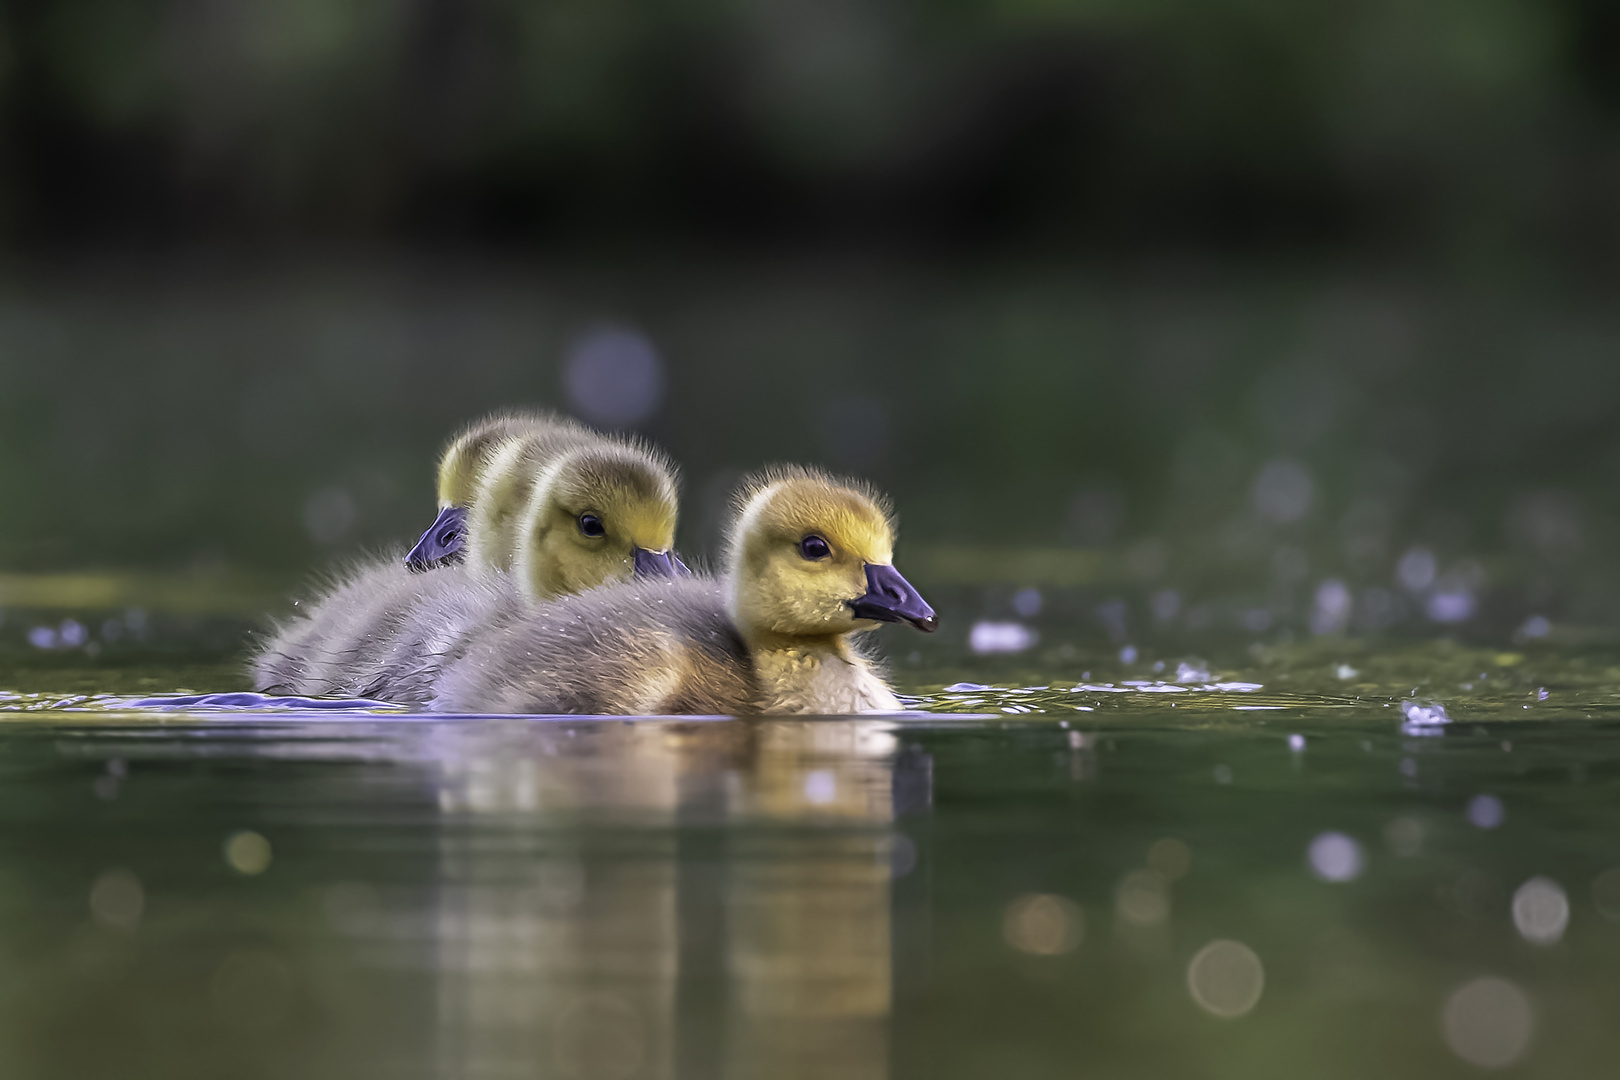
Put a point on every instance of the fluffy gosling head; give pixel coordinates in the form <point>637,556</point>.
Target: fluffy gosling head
<point>461,471</point>
<point>595,514</point>
<point>812,556</point>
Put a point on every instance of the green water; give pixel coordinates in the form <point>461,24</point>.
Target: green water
<point>1025,883</point>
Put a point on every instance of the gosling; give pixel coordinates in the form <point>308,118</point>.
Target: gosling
<point>461,471</point>
<point>543,506</point>
<point>809,566</point>
<point>382,632</point>
<point>493,475</point>
<point>600,512</point>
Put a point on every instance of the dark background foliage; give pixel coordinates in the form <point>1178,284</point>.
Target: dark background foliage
<point>1097,275</point>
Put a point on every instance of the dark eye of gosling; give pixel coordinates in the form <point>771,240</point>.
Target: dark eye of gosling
<point>591,525</point>
<point>814,547</point>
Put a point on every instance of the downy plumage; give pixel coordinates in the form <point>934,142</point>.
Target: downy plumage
<point>809,565</point>
<point>565,506</point>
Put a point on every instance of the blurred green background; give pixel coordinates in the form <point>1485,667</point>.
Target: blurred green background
<point>1256,314</point>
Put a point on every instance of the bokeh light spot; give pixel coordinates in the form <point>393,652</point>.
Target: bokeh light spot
<point>1404,836</point>
<point>1488,1022</point>
<point>1226,978</point>
<point>1027,602</point>
<point>248,853</point>
<point>614,376</point>
<point>1417,569</point>
<point>117,900</point>
<point>1335,857</point>
<point>1486,811</point>
<point>820,787</point>
<point>1606,893</point>
<point>1330,611</point>
<point>1143,898</point>
<point>1282,491</point>
<point>1000,637</point>
<point>1042,924</point>
<point>1541,911</point>
<point>1170,857</point>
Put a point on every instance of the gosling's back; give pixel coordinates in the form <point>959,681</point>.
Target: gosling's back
<point>639,647</point>
<point>383,633</point>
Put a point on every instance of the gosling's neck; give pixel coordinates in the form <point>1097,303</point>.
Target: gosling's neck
<point>821,674</point>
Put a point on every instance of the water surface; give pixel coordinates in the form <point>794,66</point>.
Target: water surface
<point>1333,859</point>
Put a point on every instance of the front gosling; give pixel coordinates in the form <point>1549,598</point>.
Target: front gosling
<point>810,564</point>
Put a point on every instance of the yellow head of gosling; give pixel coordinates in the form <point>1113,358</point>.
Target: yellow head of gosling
<point>462,468</point>
<point>812,556</point>
<point>595,514</point>
<point>462,465</point>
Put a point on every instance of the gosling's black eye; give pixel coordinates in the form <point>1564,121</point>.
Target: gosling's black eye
<point>814,547</point>
<point>591,525</point>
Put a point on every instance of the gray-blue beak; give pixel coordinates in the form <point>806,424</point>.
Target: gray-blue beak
<point>657,564</point>
<point>890,598</point>
<point>443,543</point>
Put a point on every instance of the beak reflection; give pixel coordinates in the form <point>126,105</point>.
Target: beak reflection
<point>890,598</point>
<point>442,544</point>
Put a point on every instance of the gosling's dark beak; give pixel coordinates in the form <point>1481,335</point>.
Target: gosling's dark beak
<point>442,544</point>
<point>657,564</point>
<point>890,598</point>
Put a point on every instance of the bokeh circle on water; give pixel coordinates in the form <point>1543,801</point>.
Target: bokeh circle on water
<point>117,900</point>
<point>1335,857</point>
<point>248,853</point>
<point>1404,836</point>
<point>1541,911</point>
<point>1488,1022</point>
<point>1226,978</point>
<point>1282,491</point>
<point>1143,898</point>
<point>614,376</point>
<point>1042,924</point>
<point>1486,811</point>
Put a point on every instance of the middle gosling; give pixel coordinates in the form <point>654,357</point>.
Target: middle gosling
<point>568,517</point>
<point>514,470</point>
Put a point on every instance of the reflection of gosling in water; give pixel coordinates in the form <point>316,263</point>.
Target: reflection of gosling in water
<point>810,563</point>
<point>600,511</point>
<point>492,473</point>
